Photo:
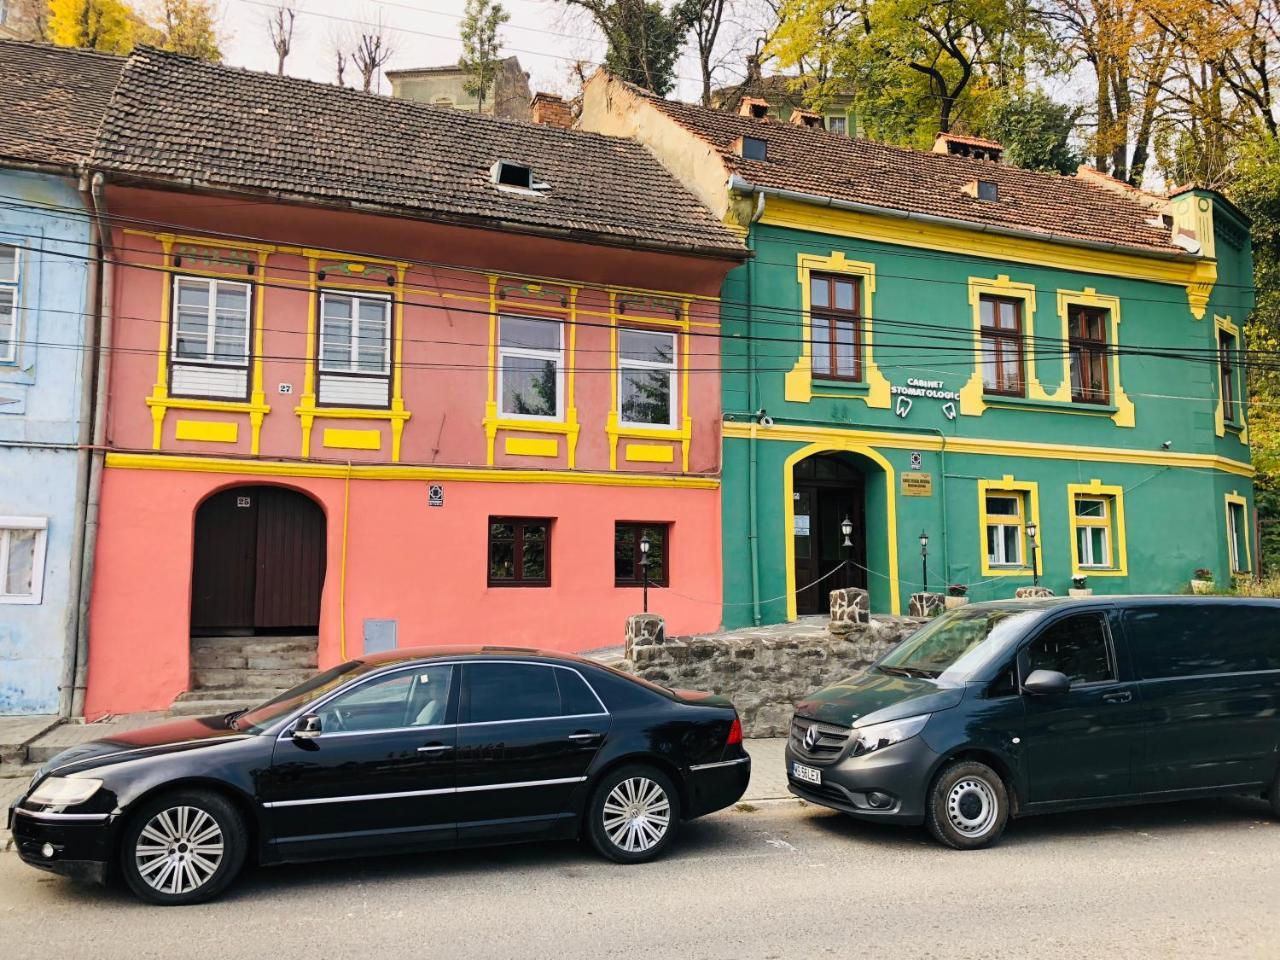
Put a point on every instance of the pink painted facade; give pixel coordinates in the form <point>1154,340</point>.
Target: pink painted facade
<point>390,554</point>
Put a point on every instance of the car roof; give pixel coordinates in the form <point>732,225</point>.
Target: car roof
<point>472,651</point>
<point>1117,599</point>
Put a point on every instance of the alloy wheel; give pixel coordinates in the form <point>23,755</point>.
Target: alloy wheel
<point>636,814</point>
<point>972,806</point>
<point>179,849</point>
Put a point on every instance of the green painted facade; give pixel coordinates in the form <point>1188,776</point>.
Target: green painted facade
<point>922,326</point>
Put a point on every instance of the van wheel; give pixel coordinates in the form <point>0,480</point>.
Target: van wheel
<point>968,806</point>
<point>633,814</point>
<point>182,847</point>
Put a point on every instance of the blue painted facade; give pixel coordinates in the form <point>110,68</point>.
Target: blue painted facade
<point>40,396</point>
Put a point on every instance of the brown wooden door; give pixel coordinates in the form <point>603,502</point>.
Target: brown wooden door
<point>291,560</point>
<point>822,501</point>
<point>259,562</point>
<point>224,562</point>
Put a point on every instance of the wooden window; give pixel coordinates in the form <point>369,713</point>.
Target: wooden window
<point>209,349</point>
<point>354,360</point>
<point>519,552</point>
<point>1005,520</point>
<point>647,377</point>
<point>1227,376</point>
<point>835,320</point>
<point>1002,346</point>
<point>1094,515</point>
<point>22,546</point>
<point>530,368</point>
<point>1088,346</point>
<point>9,268</point>
<point>627,571</point>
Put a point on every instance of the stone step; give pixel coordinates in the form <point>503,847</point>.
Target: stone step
<point>221,679</point>
<point>18,771</point>
<point>213,658</point>
<point>253,646</point>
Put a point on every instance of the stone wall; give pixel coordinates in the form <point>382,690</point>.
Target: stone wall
<point>764,670</point>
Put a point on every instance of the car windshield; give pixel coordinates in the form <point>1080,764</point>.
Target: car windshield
<point>261,717</point>
<point>956,644</point>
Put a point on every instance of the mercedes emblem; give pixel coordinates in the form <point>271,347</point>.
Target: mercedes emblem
<point>811,738</point>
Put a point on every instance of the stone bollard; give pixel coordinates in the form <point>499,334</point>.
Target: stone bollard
<point>644,630</point>
<point>850,605</point>
<point>1032,593</point>
<point>926,605</point>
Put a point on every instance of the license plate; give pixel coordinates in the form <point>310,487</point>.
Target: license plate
<point>807,774</point>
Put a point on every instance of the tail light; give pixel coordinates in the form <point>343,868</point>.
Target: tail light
<point>735,733</point>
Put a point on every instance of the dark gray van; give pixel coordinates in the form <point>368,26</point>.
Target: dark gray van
<point>998,710</point>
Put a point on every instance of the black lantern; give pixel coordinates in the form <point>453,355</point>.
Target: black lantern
<point>924,561</point>
<point>645,545</point>
<point>1032,530</point>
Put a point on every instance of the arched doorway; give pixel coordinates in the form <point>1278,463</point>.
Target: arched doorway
<point>259,562</point>
<point>827,489</point>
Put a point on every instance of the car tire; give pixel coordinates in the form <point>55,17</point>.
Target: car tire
<point>968,806</point>
<point>182,847</point>
<point>633,814</point>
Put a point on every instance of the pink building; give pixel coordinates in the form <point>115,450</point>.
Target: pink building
<point>385,374</point>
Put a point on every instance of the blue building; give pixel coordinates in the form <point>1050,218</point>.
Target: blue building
<point>48,284</point>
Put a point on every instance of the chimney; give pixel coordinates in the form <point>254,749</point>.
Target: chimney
<point>550,110</point>
<point>976,148</point>
<point>753,107</point>
<point>806,118</point>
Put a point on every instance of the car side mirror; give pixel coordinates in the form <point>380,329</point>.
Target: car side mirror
<point>307,727</point>
<point>1046,683</point>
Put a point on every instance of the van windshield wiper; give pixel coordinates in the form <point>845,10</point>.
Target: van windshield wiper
<point>910,672</point>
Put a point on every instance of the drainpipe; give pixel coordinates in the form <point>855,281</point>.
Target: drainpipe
<point>84,428</point>
<point>753,538</point>
<point>93,499</point>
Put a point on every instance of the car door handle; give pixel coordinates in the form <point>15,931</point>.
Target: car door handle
<point>1123,696</point>
<point>584,736</point>
<point>435,748</point>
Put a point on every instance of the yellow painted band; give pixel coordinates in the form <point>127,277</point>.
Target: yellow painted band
<point>532,446</point>
<point>312,470</point>
<point>649,453</point>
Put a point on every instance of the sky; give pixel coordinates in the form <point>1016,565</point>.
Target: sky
<point>546,35</point>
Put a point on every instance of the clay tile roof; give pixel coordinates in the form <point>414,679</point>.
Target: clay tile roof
<point>54,99</point>
<point>965,138</point>
<point>812,161</point>
<point>174,118</point>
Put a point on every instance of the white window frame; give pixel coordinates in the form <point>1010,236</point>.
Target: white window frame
<point>211,318</point>
<point>9,348</point>
<point>843,118</point>
<point>41,525</point>
<point>352,369</point>
<point>672,368</point>
<point>530,353</point>
<point>1084,524</point>
<point>1019,523</point>
<point>1233,537</point>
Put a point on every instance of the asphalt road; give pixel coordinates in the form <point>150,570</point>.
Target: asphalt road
<point>781,880</point>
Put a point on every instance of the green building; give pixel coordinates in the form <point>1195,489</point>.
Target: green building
<point>1040,374</point>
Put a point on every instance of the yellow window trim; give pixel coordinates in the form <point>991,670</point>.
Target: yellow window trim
<point>798,382</point>
<point>159,401</point>
<point>212,431</point>
<point>1220,425</point>
<point>1114,522</point>
<point>352,439</point>
<point>614,428</point>
<point>1234,499</point>
<point>531,446</point>
<point>1089,297</point>
<point>1196,275</point>
<point>1028,491</point>
<point>308,410</point>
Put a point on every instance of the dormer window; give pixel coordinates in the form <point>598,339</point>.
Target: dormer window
<point>516,177</point>
<point>754,108</point>
<point>982,190</point>
<point>752,148</point>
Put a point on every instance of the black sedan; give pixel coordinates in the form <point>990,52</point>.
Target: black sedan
<point>410,750</point>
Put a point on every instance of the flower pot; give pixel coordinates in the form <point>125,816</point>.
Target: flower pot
<point>1080,592</point>
<point>1202,586</point>
<point>952,602</point>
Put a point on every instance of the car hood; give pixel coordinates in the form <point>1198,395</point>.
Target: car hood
<point>874,697</point>
<point>188,733</point>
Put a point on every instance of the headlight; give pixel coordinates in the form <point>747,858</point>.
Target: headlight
<point>64,791</point>
<point>881,735</point>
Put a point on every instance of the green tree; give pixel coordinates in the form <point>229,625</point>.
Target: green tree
<point>644,38</point>
<point>188,27</point>
<point>1035,130</point>
<point>481,46</point>
<point>918,66</point>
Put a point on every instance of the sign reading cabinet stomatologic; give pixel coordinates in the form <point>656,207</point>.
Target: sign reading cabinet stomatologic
<point>916,387</point>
